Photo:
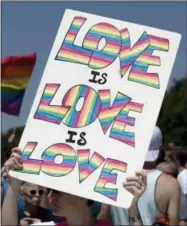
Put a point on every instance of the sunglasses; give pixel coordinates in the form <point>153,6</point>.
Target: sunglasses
<point>34,192</point>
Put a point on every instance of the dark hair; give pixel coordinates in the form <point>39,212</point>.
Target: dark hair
<point>180,155</point>
<point>90,202</point>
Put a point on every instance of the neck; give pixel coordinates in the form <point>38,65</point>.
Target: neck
<point>76,216</point>
<point>31,209</point>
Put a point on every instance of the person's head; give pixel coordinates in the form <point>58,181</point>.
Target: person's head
<point>179,156</point>
<point>155,154</point>
<point>60,200</point>
<point>168,168</point>
<point>31,193</point>
<point>168,155</point>
<point>169,149</point>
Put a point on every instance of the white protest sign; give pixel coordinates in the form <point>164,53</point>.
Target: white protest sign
<point>96,106</point>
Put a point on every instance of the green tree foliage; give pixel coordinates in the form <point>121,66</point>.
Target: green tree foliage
<point>173,114</point>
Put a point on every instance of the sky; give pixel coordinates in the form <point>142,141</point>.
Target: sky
<point>32,26</point>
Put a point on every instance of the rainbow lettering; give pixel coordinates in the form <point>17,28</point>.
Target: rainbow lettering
<point>47,112</point>
<point>139,56</point>
<point>108,177</point>
<point>118,129</point>
<point>58,169</point>
<point>30,166</point>
<point>127,54</point>
<point>107,113</point>
<point>106,56</point>
<point>90,109</point>
<point>70,52</point>
<point>88,166</point>
<point>139,73</point>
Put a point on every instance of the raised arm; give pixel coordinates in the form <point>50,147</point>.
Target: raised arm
<point>9,208</point>
<point>136,186</point>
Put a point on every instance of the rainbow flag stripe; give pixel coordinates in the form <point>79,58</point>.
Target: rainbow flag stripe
<point>127,54</point>
<point>108,113</point>
<point>90,108</point>
<point>101,59</point>
<point>68,51</point>
<point>30,166</point>
<point>88,166</point>
<point>139,72</point>
<point>16,72</point>
<point>107,177</point>
<point>61,169</point>
<point>47,112</point>
<point>89,54</point>
<point>118,130</point>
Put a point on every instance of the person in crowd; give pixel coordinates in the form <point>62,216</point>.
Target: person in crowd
<point>180,158</point>
<point>28,202</point>
<point>173,165</point>
<point>176,159</point>
<point>27,209</point>
<point>160,201</point>
<point>31,195</point>
<point>179,155</point>
<point>76,210</point>
<point>168,165</point>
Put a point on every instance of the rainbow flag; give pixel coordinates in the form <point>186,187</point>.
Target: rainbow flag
<point>15,74</point>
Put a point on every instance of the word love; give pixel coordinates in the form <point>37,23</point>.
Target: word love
<point>95,105</point>
<point>139,56</point>
<point>86,165</point>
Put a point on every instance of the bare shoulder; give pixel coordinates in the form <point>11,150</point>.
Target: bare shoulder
<point>171,184</point>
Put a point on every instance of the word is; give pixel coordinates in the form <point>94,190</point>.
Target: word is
<point>99,80</point>
<point>81,142</point>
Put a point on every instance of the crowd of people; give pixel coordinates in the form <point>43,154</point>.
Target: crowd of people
<point>159,190</point>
